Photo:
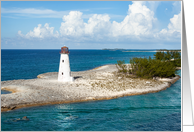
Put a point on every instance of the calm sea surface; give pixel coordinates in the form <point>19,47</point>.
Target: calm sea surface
<point>150,112</point>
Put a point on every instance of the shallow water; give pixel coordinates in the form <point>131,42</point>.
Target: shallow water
<point>5,92</point>
<point>150,112</point>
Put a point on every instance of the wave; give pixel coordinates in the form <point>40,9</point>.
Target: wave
<point>117,109</point>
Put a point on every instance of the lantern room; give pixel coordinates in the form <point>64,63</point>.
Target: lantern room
<point>64,50</point>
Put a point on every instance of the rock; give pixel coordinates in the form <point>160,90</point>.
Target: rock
<point>3,106</point>
<point>40,76</point>
<point>25,118</point>
<point>90,98</point>
<point>157,78</point>
<point>119,77</point>
<point>12,107</point>
<point>147,82</point>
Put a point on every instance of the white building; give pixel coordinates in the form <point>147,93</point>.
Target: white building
<point>64,74</point>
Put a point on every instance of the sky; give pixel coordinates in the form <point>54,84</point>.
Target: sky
<point>91,24</point>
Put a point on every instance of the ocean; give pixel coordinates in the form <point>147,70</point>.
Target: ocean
<point>150,112</point>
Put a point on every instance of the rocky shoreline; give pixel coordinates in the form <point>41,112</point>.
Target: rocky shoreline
<point>98,84</point>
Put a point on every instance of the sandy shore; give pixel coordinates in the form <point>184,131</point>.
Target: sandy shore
<point>98,84</point>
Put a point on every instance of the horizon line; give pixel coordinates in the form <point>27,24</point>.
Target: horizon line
<point>94,49</point>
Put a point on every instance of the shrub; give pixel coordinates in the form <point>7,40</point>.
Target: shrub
<point>160,66</point>
<point>148,68</point>
<point>177,62</point>
<point>121,66</point>
<point>168,56</point>
<point>159,55</point>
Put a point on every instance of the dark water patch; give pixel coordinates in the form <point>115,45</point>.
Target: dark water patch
<point>5,92</point>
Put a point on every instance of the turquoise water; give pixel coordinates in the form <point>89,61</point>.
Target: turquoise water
<point>150,112</point>
<point>5,92</point>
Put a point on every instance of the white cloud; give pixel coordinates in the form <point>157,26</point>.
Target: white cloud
<point>45,13</point>
<point>40,32</point>
<point>136,26</point>
<point>97,27</point>
<point>98,24</point>
<point>27,11</point>
<point>138,21</point>
<point>173,29</point>
<point>73,24</point>
<point>33,12</point>
<point>175,23</point>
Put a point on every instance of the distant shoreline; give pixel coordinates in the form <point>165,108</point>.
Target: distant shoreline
<point>139,50</point>
<point>150,51</point>
<point>100,83</point>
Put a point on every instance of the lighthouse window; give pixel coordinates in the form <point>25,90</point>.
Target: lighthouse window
<point>62,60</point>
<point>62,73</point>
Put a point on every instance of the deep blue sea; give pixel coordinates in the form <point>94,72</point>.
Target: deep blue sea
<point>150,112</point>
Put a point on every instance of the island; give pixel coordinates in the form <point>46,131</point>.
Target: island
<point>101,83</point>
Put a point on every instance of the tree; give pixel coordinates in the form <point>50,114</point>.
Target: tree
<point>168,56</point>
<point>159,55</point>
<point>160,66</point>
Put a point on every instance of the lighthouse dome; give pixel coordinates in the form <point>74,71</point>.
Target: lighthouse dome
<point>64,50</point>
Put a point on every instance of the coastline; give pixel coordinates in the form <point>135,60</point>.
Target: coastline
<point>150,51</point>
<point>100,83</point>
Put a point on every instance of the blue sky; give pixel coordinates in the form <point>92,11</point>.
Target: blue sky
<point>90,24</point>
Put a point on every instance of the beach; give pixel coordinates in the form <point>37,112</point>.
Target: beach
<point>100,83</point>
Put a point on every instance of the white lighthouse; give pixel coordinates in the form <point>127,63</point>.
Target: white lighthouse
<point>64,67</point>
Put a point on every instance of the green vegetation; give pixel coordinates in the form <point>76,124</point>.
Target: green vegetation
<point>162,65</point>
<point>121,66</point>
<point>172,56</point>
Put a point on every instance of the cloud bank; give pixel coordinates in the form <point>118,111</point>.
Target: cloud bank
<point>136,26</point>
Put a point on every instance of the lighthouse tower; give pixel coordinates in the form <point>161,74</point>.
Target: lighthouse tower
<point>64,67</point>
